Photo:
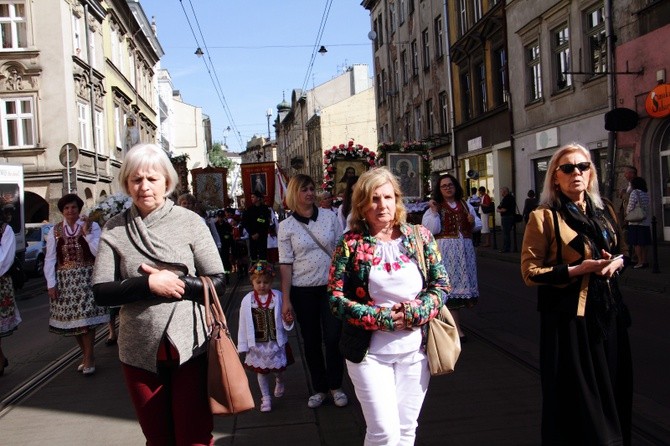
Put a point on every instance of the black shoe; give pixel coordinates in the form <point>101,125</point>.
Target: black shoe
<point>110,342</point>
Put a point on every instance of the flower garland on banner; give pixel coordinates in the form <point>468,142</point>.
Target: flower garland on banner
<point>409,147</point>
<point>108,207</point>
<point>343,151</point>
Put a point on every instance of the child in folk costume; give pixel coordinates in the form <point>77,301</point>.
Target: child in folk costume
<point>263,332</point>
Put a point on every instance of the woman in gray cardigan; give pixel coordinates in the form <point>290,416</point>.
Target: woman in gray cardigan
<point>148,261</point>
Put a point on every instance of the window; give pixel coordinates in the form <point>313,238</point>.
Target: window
<point>18,122</point>
<point>417,123</point>
<point>410,7</point>
<point>13,24</point>
<point>597,41</point>
<point>77,37</point>
<point>476,10</point>
<point>499,76</point>
<point>380,33</point>
<point>405,67</point>
<point>392,18</point>
<point>482,104</point>
<point>380,92</point>
<point>439,36</point>
<point>406,122</point>
<point>415,59</point>
<point>90,55</point>
<point>83,115</point>
<point>561,51</point>
<point>384,86</point>
<point>118,122</point>
<point>425,40</point>
<point>401,11</point>
<point>466,93</point>
<point>462,16</point>
<point>443,113</point>
<point>99,130</point>
<point>533,72</point>
<point>396,76</point>
<point>430,129</point>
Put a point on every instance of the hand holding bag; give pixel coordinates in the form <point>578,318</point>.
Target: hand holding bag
<point>227,383</point>
<point>637,214</point>
<point>443,346</point>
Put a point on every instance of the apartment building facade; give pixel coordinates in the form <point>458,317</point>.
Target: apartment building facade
<point>76,74</point>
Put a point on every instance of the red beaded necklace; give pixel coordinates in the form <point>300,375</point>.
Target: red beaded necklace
<point>267,302</point>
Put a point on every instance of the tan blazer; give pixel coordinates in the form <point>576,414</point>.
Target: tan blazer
<point>539,261</point>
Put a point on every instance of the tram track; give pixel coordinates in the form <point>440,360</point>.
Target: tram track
<point>40,379</point>
<point>645,431</point>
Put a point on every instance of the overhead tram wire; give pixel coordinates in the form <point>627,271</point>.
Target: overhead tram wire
<point>319,35</point>
<point>210,69</point>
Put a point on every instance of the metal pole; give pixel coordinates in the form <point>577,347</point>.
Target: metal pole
<point>67,161</point>
<point>654,245</point>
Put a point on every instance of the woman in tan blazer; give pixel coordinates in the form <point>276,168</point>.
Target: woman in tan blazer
<point>571,251</point>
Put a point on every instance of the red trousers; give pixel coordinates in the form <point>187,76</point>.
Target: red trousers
<point>172,406</point>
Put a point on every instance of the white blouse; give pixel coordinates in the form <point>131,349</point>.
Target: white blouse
<point>394,278</point>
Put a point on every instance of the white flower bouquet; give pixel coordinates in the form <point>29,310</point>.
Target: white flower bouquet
<point>108,207</point>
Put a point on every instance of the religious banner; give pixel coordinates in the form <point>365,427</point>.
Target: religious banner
<point>259,177</point>
<point>411,164</point>
<point>210,187</point>
<point>344,161</point>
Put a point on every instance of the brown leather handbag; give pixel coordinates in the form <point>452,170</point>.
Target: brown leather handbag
<point>227,383</point>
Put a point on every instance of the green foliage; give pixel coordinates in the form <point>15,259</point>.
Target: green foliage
<point>218,158</point>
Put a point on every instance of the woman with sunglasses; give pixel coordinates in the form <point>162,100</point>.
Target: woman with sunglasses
<point>571,252</point>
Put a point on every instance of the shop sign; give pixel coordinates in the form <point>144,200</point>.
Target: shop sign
<point>658,101</point>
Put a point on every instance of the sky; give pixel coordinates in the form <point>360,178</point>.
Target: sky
<point>256,51</point>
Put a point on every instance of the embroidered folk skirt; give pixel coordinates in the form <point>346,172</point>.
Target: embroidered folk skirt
<point>74,312</point>
<point>460,261</point>
<point>9,313</point>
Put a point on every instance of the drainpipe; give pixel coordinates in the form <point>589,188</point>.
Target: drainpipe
<point>611,98</point>
<point>452,120</point>
<point>91,94</point>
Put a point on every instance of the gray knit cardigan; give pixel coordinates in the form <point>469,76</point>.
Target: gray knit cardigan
<point>172,234</point>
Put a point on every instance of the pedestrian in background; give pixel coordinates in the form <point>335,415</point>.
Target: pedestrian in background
<point>10,318</point>
<point>262,332</point>
<point>529,205</point>
<point>256,220</point>
<point>385,301</point>
<point>475,201</point>
<point>326,201</point>
<point>639,232</point>
<point>306,242</point>
<point>189,202</point>
<point>345,208</point>
<point>72,246</point>
<point>453,221</point>
<point>225,231</point>
<point>147,262</point>
<point>486,208</point>
<point>507,210</point>
<point>569,252</point>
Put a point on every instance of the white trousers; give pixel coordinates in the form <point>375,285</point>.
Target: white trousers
<point>485,223</point>
<point>391,390</point>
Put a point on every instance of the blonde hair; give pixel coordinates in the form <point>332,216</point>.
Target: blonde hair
<point>293,189</point>
<point>361,199</point>
<point>550,192</point>
<point>148,156</point>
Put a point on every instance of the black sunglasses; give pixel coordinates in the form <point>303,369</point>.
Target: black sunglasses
<point>569,168</point>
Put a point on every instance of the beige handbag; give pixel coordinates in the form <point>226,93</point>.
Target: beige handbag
<point>443,345</point>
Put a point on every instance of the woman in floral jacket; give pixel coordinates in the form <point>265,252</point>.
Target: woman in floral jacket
<point>385,300</point>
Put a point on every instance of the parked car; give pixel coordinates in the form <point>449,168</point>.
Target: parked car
<point>36,247</point>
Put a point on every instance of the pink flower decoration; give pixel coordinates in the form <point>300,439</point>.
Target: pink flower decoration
<point>387,267</point>
<point>396,266</point>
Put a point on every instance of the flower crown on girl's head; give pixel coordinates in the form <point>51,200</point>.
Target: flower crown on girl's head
<point>262,268</point>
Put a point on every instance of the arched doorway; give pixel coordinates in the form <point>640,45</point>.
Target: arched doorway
<point>661,139</point>
<point>36,208</point>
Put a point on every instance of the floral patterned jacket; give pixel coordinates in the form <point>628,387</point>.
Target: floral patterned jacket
<point>348,282</point>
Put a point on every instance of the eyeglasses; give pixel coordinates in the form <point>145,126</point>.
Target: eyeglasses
<point>447,186</point>
<point>569,168</point>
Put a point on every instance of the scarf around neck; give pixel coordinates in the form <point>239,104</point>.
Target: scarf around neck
<point>146,242</point>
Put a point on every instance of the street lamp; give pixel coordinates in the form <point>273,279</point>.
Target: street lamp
<point>268,114</point>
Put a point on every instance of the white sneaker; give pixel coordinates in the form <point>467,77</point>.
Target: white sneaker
<point>316,400</point>
<point>340,398</point>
